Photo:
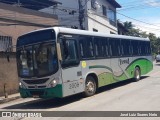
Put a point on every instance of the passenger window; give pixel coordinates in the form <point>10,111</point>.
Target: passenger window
<point>86,47</point>
<point>148,47</point>
<point>106,48</point>
<point>100,47</point>
<point>142,45</point>
<point>115,47</point>
<point>135,48</point>
<point>71,56</point>
<point>125,44</point>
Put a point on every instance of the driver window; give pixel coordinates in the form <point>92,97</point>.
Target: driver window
<point>71,56</point>
<point>69,52</point>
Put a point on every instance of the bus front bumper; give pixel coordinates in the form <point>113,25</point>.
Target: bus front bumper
<point>42,93</point>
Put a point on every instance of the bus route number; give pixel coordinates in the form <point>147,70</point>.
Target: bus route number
<point>73,85</point>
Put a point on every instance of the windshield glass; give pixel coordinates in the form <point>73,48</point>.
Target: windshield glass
<point>37,60</point>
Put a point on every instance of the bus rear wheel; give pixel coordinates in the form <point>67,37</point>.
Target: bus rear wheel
<point>90,86</point>
<point>137,74</point>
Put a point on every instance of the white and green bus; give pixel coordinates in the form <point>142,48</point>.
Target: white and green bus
<point>59,62</point>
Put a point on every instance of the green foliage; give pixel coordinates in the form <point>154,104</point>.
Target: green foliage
<point>155,41</point>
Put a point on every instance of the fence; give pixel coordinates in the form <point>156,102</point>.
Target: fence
<point>5,43</point>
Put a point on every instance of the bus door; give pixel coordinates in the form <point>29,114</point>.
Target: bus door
<point>71,68</point>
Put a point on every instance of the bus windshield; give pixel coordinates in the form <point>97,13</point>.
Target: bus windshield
<point>37,60</point>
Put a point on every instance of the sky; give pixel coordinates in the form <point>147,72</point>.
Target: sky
<point>144,14</point>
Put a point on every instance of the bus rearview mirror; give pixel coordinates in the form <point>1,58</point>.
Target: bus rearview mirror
<point>59,51</point>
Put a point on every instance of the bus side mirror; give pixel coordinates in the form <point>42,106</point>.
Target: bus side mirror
<point>65,48</point>
<point>59,52</point>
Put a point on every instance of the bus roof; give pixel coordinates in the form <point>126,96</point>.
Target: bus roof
<point>91,33</point>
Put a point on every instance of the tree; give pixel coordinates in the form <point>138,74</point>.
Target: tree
<point>132,31</point>
<point>153,40</point>
<point>128,25</point>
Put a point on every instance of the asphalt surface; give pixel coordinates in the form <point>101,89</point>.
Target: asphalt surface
<point>143,95</point>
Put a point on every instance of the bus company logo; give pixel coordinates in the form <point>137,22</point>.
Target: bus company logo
<point>126,61</point>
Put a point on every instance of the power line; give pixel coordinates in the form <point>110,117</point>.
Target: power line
<point>136,2</point>
<point>133,19</point>
<point>136,25</point>
<point>85,3</point>
<point>130,2</point>
<point>137,20</point>
<point>144,4</point>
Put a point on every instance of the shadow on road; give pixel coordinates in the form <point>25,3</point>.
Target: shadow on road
<point>157,64</point>
<point>57,102</point>
<point>118,84</point>
<point>46,103</point>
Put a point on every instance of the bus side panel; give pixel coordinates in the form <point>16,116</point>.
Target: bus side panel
<point>144,63</point>
<point>102,68</point>
<point>71,78</point>
<point>118,66</point>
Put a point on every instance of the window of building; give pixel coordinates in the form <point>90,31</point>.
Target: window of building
<point>95,30</point>
<point>5,43</point>
<point>111,16</point>
<point>112,32</point>
<point>93,4</point>
<point>104,10</point>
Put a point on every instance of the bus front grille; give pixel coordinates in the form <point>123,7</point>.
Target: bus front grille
<point>36,81</point>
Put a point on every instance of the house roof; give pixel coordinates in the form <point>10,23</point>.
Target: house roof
<point>32,4</point>
<point>26,11</point>
<point>114,3</point>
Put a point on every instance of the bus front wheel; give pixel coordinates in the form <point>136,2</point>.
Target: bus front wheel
<point>137,74</point>
<point>90,86</point>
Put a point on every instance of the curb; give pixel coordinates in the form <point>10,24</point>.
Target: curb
<point>5,100</point>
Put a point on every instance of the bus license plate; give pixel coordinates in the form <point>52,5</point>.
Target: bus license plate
<point>36,96</point>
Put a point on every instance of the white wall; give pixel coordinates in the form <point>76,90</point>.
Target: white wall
<point>97,20</point>
<point>93,19</point>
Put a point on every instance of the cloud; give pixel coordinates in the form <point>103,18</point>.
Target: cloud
<point>153,3</point>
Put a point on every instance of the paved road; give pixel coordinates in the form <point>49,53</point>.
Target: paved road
<point>125,96</point>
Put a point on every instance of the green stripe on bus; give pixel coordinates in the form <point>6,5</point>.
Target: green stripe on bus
<point>107,78</point>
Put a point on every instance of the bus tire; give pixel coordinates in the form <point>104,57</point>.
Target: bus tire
<point>137,74</point>
<point>90,86</point>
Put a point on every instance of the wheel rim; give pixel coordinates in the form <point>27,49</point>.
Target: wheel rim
<point>137,74</point>
<point>90,87</point>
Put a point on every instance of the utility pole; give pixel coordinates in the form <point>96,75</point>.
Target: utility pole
<point>81,14</point>
<point>18,3</point>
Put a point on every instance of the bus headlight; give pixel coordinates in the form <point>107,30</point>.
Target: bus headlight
<point>53,83</point>
<point>21,85</point>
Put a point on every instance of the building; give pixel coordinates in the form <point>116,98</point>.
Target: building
<point>15,21</point>
<point>92,15</point>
